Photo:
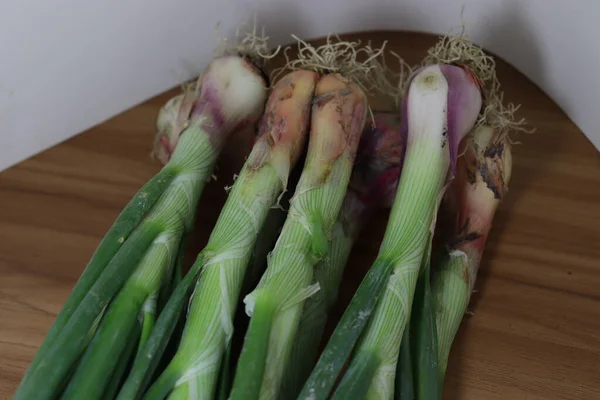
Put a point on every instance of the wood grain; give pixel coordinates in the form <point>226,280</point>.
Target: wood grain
<point>535,332</point>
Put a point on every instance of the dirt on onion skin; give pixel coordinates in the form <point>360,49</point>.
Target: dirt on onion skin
<point>491,169</point>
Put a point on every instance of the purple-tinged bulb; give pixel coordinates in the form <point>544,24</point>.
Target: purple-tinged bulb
<point>379,161</point>
<point>228,96</point>
<point>442,104</point>
<point>232,96</point>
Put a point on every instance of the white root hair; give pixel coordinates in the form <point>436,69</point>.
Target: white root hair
<point>363,64</point>
<point>252,43</point>
<point>404,72</point>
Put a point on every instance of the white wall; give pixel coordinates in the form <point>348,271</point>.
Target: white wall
<point>67,65</point>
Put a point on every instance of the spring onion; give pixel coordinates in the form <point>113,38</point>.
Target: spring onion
<point>276,304</point>
<point>483,173</point>
<point>372,185</point>
<point>233,94</point>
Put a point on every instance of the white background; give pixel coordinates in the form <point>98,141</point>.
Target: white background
<point>66,65</point>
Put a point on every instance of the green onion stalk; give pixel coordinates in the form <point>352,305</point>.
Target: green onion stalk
<point>194,370</point>
<point>338,118</point>
<point>417,366</point>
<point>125,274</point>
<point>483,174</point>
<point>256,267</point>
<point>440,107</point>
<point>372,186</point>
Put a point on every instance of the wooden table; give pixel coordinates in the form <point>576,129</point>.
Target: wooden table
<point>535,332</point>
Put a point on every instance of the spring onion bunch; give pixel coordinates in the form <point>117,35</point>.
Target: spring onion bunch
<point>122,280</point>
<point>455,90</point>
<point>372,185</point>
<point>463,222</point>
<point>441,105</point>
<point>275,306</point>
<point>132,301</point>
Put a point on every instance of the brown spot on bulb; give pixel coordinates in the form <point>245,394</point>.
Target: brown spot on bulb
<point>490,169</point>
<point>471,178</point>
<point>465,235</point>
<point>286,96</point>
<point>494,150</point>
<point>460,240</point>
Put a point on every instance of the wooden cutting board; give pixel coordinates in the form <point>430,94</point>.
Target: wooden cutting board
<point>535,332</point>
